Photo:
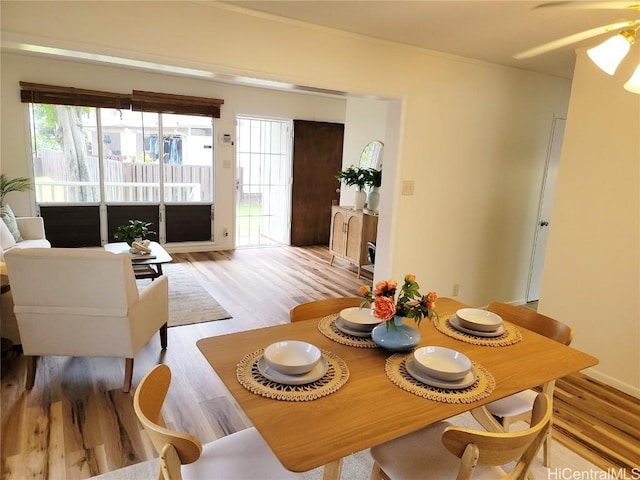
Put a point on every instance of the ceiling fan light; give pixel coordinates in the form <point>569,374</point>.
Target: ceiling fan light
<point>610,53</point>
<point>633,84</point>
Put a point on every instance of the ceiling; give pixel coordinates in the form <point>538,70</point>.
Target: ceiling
<point>492,31</point>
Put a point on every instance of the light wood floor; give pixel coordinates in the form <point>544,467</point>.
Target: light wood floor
<point>77,423</point>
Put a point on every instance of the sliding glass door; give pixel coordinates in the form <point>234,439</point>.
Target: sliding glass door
<point>119,161</point>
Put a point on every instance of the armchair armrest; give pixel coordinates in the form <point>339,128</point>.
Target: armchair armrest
<point>31,228</point>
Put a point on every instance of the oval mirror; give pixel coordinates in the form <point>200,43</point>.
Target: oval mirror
<point>371,156</point>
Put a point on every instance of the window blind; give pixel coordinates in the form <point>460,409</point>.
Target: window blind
<point>52,94</point>
<point>180,104</point>
<point>138,101</point>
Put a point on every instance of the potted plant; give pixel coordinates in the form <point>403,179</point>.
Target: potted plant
<point>373,177</point>
<point>132,231</point>
<point>18,184</point>
<point>354,176</point>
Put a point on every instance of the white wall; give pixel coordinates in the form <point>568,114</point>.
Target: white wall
<point>366,120</point>
<point>473,136</point>
<point>238,100</point>
<point>591,276</point>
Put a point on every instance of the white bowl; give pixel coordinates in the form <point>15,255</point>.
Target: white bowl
<point>292,357</point>
<point>442,363</point>
<point>480,320</point>
<point>357,318</point>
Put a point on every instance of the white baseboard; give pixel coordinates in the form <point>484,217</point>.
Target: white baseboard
<point>632,390</point>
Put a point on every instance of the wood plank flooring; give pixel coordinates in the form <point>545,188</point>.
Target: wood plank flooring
<point>76,422</point>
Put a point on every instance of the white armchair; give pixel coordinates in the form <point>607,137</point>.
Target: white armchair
<point>83,302</point>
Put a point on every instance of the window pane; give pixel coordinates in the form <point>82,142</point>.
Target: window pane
<point>65,154</point>
<point>188,158</point>
<point>131,156</point>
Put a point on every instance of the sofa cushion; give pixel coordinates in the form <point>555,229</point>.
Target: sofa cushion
<point>6,239</point>
<point>40,243</point>
<point>10,220</point>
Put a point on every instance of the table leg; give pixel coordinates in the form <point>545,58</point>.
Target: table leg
<point>332,470</point>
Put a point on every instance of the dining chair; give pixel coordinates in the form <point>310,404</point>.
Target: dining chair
<point>322,308</point>
<point>240,455</point>
<point>319,309</point>
<point>517,407</point>
<point>480,454</point>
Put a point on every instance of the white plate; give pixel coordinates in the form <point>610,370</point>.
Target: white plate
<point>465,382</point>
<point>455,323</point>
<point>271,374</point>
<point>356,318</point>
<point>344,329</point>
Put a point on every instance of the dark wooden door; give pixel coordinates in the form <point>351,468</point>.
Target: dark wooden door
<point>317,159</point>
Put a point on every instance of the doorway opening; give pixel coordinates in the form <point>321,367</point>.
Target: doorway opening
<point>263,182</point>
<point>544,211</point>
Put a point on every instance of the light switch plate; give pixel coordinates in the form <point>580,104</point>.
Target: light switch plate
<point>408,187</point>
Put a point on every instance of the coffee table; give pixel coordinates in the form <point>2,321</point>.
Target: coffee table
<point>144,266</point>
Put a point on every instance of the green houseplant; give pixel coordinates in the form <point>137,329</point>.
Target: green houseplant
<point>135,229</point>
<point>353,176</point>
<point>373,177</point>
<point>18,184</point>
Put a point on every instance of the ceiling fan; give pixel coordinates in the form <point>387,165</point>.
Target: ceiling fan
<point>610,53</point>
<point>624,25</point>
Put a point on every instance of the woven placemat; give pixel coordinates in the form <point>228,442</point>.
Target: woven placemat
<point>327,327</point>
<point>397,372</point>
<point>510,336</point>
<point>250,378</point>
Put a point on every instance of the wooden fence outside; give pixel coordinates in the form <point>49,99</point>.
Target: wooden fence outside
<point>123,181</point>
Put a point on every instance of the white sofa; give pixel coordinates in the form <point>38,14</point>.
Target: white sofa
<point>32,231</point>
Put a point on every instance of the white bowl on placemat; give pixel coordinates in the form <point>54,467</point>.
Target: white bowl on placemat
<point>442,363</point>
<point>292,357</point>
<point>361,319</point>
<point>479,320</point>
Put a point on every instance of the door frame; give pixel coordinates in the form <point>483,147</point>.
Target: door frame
<point>547,194</point>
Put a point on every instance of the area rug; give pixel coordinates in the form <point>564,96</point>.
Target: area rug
<point>189,302</point>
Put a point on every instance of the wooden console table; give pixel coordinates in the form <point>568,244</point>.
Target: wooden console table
<point>351,231</point>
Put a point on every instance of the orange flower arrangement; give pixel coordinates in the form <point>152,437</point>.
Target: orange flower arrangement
<point>410,302</point>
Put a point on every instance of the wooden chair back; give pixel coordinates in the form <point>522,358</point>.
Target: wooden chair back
<point>322,308</point>
<point>534,321</point>
<point>147,403</point>
<point>488,448</point>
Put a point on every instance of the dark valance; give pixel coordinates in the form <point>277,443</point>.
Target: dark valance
<point>180,104</point>
<point>37,93</point>
<point>138,100</point>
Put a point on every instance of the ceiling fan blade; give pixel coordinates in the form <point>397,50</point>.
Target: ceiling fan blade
<point>615,5</point>
<point>576,37</point>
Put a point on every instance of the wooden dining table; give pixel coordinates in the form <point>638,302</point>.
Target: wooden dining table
<point>369,409</point>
